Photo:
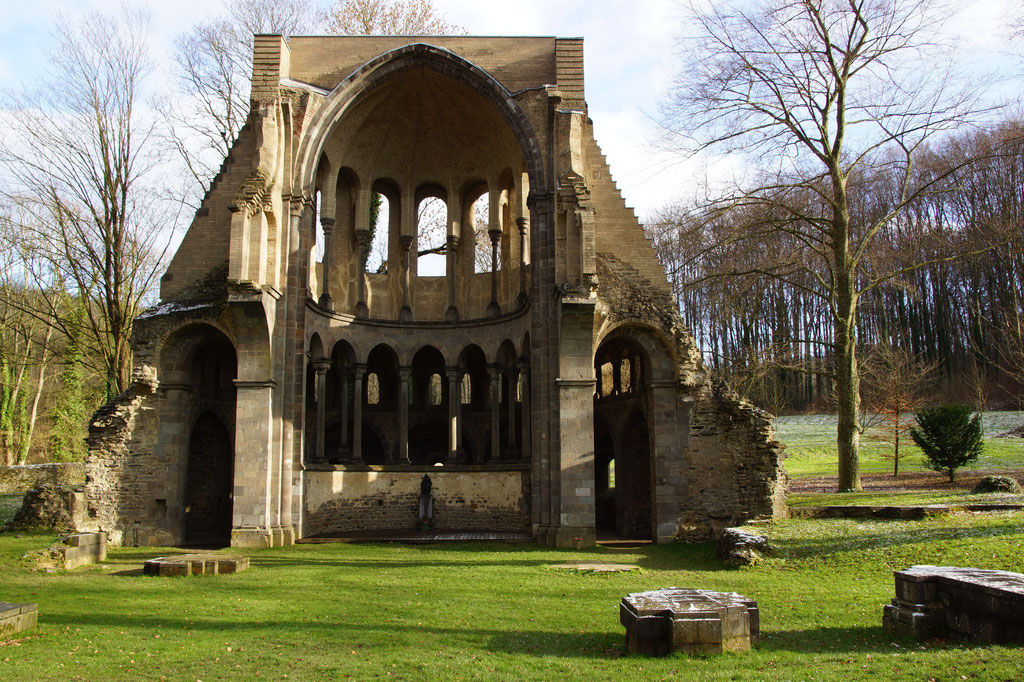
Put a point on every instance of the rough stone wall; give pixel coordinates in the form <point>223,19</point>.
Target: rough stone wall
<point>22,477</point>
<point>734,466</point>
<point>389,500</point>
<point>120,470</point>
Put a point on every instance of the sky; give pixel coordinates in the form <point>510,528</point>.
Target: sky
<point>629,48</point>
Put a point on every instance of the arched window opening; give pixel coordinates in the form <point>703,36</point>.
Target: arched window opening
<point>435,390</point>
<point>481,223</point>
<point>611,473</point>
<point>318,246</point>
<point>607,380</point>
<point>624,376</point>
<point>380,220</point>
<point>431,237</point>
<point>467,389</point>
<point>372,389</point>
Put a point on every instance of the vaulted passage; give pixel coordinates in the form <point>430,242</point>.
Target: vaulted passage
<point>622,443</point>
<point>208,491</point>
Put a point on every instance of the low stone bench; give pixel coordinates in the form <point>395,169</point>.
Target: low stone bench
<point>692,621</point>
<point>82,549</point>
<point>948,602</point>
<point>863,511</point>
<point>195,564</point>
<point>16,618</point>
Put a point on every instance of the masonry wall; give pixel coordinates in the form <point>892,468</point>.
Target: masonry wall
<point>341,501</point>
<point>22,477</point>
<point>516,63</point>
<point>733,466</point>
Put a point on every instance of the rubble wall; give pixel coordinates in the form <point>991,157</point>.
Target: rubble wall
<point>22,477</point>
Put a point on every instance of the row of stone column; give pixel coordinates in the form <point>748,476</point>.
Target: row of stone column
<point>516,447</point>
<point>362,235</point>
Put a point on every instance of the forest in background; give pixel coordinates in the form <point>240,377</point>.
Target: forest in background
<point>955,326</point>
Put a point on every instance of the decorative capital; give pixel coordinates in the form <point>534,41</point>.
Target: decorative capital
<point>321,365</point>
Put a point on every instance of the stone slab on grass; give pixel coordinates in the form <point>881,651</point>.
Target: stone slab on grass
<point>195,564</point>
<point>950,602</point>
<point>16,618</point>
<point>688,620</point>
<point>82,549</point>
<point>595,566</point>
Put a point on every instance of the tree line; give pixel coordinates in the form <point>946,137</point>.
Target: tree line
<point>960,311</point>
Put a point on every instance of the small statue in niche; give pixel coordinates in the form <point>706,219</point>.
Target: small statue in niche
<point>426,521</point>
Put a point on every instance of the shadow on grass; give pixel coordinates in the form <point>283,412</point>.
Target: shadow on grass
<point>827,640</point>
<point>596,643</point>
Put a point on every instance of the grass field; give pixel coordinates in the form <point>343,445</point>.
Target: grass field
<point>492,611</point>
<point>811,446</point>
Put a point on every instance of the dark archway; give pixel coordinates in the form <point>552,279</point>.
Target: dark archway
<point>623,505</point>
<point>208,500</point>
<point>604,482</point>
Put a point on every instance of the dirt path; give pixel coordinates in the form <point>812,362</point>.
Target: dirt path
<point>910,481</point>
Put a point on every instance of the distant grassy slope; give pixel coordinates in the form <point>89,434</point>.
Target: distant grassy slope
<point>811,446</point>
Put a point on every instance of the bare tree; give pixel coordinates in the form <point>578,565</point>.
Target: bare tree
<point>821,95</point>
<point>388,17</point>
<point>894,381</point>
<point>75,155</point>
<point>213,67</point>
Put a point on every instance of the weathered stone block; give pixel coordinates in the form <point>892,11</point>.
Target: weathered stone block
<point>16,618</point>
<point>195,564</point>
<point>692,621</point>
<point>951,602</point>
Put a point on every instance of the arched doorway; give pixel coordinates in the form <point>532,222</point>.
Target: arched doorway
<point>622,442</point>
<point>208,502</point>
<point>197,372</point>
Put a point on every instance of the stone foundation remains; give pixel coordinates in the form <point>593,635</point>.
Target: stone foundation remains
<point>16,618</point>
<point>949,602</point>
<point>184,565</point>
<point>691,621</point>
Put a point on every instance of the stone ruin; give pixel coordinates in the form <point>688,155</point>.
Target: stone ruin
<point>320,346</point>
<point>949,602</point>
<point>690,621</point>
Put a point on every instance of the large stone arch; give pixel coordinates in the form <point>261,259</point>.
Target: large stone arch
<point>376,72</point>
<point>197,372</point>
<point>647,439</point>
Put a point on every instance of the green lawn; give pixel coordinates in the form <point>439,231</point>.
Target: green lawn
<point>811,446</point>
<point>911,497</point>
<point>493,611</point>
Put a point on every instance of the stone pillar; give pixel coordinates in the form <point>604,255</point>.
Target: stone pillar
<point>325,286</point>
<point>344,451</point>
<point>524,224</point>
<point>616,377</point>
<point>321,366</point>
<point>461,434</point>
<point>251,519</point>
<point>493,309</point>
<point>524,377</point>
<point>406,314</point>
<point>362,310</point>
<point>494,371</point>
<point>358,372</point>
<point>451,268</point>
<point>512,452</point>
<point>454,401</point>
<point>404,374</point>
